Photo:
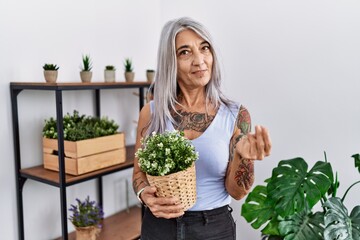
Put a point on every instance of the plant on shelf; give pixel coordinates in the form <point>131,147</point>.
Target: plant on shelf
<point>150,74</point>
<point>79,127</point>
<point>85,73</point>
<point>168,161</point>
<point>109,73</point>
<point>284,205</point>
<point>128,68</point>
<point>86,216</point>
<point>50,72</point>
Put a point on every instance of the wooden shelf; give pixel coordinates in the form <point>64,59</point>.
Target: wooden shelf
<point>39,173</point>
<point>121,226</point>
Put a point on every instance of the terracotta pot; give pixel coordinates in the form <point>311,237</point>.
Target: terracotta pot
<point>85,76</point>
<point>129,76</point>
<point>50,75</point>
<point>87,233</point>
<point>109,75</point>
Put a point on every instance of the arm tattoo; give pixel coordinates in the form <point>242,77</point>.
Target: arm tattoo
<point>244,175</point>
<point>137,182</point>
<point>192,121</point>
<point>243,121</point>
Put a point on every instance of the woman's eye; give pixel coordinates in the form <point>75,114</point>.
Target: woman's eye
<point>184,52</point>
<point>206,48</point>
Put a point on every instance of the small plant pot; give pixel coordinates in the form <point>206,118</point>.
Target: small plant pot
<point>150,76</point>
<point>109,75</point>
<point>85,76</point>
<point>87,233</point>
<point>129,76</point>
<point>50,75</point>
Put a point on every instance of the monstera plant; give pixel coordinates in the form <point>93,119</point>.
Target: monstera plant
<point>285,206</point>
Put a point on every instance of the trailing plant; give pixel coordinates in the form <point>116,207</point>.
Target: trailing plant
<point>87,63</point>
<point>79,127</point>
<point>50,67</point>
<point>110,68</point>
<point>284,205</point>
<point>128,65</point>
<point>86,213</point>
<point>166,153</point>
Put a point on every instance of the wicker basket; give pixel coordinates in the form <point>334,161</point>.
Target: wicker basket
<point>180,184</point>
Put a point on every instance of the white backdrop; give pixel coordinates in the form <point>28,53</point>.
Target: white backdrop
<point>294,64</point>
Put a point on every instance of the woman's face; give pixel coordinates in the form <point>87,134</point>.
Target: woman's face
<point>194,60</point>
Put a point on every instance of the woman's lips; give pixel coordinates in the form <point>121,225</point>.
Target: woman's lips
<point>199,73</point>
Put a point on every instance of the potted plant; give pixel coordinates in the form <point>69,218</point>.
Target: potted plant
<point>285,204</point>
<point>150,74</point>
<point>109,73</point>
<point>86,216</point>
<point>85,73</point>
<point>168,161</point>
<point>128,67</point>
<point>90,143</point>
<point>50,72</point>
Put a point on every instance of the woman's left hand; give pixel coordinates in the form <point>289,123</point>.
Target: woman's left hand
<point>255,146</point>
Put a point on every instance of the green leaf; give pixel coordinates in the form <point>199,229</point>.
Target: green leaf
<point>293,188</point>
<point>357,161</point>
<point>303,226</point>
<point>258,210</point>
<point>338,225</point>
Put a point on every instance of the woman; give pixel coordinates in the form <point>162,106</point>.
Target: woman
<point>187,97</point>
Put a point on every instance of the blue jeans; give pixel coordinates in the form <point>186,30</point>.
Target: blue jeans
<point>216,224</point>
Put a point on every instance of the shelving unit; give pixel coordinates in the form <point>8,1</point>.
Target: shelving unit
<point>115,227</point>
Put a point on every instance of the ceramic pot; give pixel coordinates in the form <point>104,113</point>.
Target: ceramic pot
<point>109,75</point>
<point>129,76</point>
<point>50,75</point>
<point>150,76</point>
<point>85,76</point>
<point>87,233</point>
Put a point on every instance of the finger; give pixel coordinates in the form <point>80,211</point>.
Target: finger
<point>259,143</point>
<point>252,146</point>
<point>267,141</point>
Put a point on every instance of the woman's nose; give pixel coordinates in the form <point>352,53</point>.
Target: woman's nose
<point>198,59</point>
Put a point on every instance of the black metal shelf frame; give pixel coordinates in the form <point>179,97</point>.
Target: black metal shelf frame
<point>15,89</point>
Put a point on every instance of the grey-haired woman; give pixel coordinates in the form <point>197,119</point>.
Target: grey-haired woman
<point>187,97</point>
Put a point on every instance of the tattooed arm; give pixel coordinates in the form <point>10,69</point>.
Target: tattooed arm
<point>244,148</point>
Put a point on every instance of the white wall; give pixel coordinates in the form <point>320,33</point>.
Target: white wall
<point>294,64</point>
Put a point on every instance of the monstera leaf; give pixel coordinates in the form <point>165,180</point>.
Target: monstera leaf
<point>293,188</point>
<point>338,225</point>
<point>357,161</point>
<point>303,226</point>
<point>258,210</point>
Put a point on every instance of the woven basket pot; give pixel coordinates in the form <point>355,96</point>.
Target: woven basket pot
<point>180,184</point>
<point>87,233</point>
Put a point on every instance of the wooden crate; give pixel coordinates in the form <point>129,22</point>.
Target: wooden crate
<point>86,155</point>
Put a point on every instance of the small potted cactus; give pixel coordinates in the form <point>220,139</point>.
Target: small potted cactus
<point>128,67</point>
<point>50,72</point>
<point>109,73</point>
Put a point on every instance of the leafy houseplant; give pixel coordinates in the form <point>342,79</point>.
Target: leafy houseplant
<point>109,73</point>
<point>128,67</point>
<point>150,74</point>
<point>79,127</point>
<point>50,72</point>
<point>168,160</point>
<point>86,216</point>
<point>86,73</point>
<point>285,204</point>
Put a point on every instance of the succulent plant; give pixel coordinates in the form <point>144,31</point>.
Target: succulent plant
<point>128,65</point>
<point>87,64</point>
<point>50,67</point>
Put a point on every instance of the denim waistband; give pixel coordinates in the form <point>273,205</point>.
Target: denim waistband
<point>211,212</point>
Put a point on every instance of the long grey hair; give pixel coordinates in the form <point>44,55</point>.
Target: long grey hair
<point>165,85</point>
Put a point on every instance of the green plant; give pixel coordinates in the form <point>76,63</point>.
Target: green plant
<point>166,153</point>
<point>86,213</point>
<point>79,127</point>
<point>285,204</point>
<point>128,65</point>
<point>50,67</point>
<point>150,70</point>
<point>87,63</point>
<point>110,68</point>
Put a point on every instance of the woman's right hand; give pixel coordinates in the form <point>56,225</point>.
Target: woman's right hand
<point>161,207</point>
